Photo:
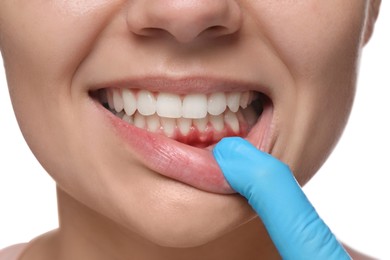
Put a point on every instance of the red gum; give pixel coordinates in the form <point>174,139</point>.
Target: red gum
<point>207,137</point>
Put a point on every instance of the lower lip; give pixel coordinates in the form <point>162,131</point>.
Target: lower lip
<point>191,165</point>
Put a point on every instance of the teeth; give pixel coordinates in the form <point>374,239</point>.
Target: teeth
<point>217,122</point>
<point>244,100</point>
<point>201,123</point>
<point>216,103</point>
<point>128,119</point>
<point>146,103</point>
<point>168,112</point>
<point>130,102</point>
<point>139,120</point>
<point>184,125</point>
<point>194,106</point>
<point>232,121</point>
<point>153,123</point>
<point>118,101</point>
<point>110,100</point>
<point>168,105</point>
<point>233,101</point>
<point>168,125</point>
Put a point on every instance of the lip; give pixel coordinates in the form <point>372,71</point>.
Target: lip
<point>191,165</point>
<point>184,85</point>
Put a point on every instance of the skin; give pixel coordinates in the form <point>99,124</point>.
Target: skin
<point>111,206</point>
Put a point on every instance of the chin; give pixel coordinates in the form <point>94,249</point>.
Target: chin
<point>173,214</point>
<point>141,203</point>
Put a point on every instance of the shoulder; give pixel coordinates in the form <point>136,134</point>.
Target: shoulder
<point>12,252</point>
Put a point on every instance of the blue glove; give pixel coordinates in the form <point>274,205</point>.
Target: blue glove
<point>271,189</point>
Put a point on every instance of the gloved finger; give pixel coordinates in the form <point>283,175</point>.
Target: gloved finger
<point>271,189</point>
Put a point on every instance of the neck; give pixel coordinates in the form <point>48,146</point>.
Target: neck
<point>86,234</point>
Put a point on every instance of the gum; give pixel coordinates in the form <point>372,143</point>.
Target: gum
<point>205,137</point>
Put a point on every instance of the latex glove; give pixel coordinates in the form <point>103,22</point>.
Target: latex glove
<point>271,189</point>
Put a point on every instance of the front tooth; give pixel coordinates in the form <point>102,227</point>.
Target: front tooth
<point>129,102</point>
<point>168,105</point>
<point>244,100</point>
<point>216,103</point>
<point>139,120</point>
<point>201,124</point>
<point>153,123</point>
<point>118,101</point>
<point>146,103</point>
<point>233,101</point>
<point>232,120</point>
<point>194,106</point>
<point>184,125</point>
<point>168,125</point>
<point>217,122</point>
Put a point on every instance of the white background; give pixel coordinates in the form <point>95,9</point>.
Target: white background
<point>351,191</point>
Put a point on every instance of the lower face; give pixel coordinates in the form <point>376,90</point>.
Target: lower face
<point>125,123</point>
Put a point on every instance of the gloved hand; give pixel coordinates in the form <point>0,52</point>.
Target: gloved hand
<point>271,189</point>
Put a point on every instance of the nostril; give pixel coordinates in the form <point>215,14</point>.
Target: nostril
<point>216,30</point>
<point>152,32</point>
<point>211,32</point>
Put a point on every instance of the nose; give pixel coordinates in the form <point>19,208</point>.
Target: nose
<point>185,20</point>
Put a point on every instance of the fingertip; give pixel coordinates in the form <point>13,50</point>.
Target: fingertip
<point>223,148</point>
<point>228,143</point>
<point>238,161</point>
<point>233,146</point>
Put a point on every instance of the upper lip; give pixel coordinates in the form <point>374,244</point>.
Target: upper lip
<point>185,85</point>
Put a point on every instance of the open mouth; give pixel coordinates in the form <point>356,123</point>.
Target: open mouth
<point>170,126</point>
<point>196,119</point>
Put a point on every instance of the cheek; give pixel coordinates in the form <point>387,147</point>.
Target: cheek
<point>47,41</point>
<point>42,46</point>
<point>319,42</point>
<point>79,8</point>
<point>313,36</point>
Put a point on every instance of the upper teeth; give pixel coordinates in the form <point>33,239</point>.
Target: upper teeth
<point>168,105</point>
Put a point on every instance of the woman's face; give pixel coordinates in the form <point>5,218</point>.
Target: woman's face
<point>121,101</point>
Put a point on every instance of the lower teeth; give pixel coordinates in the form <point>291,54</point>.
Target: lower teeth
<point>198,132</point>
